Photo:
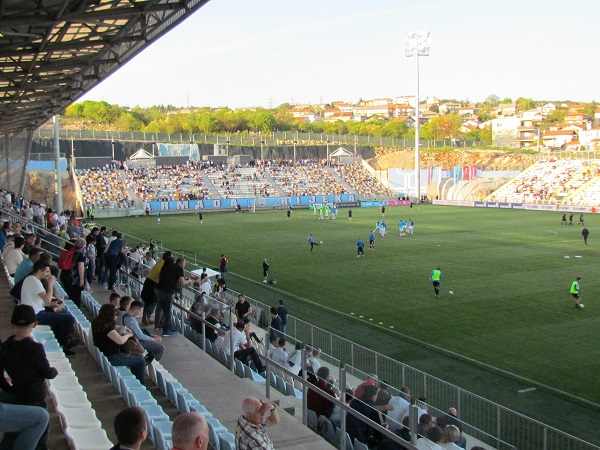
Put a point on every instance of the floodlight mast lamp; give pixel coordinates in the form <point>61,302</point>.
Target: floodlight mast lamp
<point>417,44</point>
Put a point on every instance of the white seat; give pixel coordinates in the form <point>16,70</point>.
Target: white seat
<point>70,399</point>
<point>78,417</point>
<point>87,438</point>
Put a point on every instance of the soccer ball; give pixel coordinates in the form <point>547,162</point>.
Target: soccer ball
<point>581,305</point>
<point>320,242</point>
<point>451,292</point>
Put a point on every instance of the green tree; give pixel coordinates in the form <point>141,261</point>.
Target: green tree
<point>590,109</point>
<point>523,104</point>
<point>485,134</point>
<point>492,100</point>
<point>506,100</point>
<point>556,116</point>
<point>394,129</point>
<point>127,122</point>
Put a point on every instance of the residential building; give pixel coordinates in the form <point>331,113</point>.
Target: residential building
<point>449,108</point>
<point>504,131</point>
<point>558,138</point>
<point>590,139</point>
<point>574,118</point>
<point>507,109</point>
<point>528,133</point>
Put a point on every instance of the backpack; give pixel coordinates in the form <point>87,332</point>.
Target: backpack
<point>65,260</point>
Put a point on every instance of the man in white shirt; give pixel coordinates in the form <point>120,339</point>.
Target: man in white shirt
<point>242,348</point>
<point>40,299</point>
<point>205,286</point>
<point>278,353</point>
<point>14,256</point>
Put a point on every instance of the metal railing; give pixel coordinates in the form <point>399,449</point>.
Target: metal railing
<point>499,425</point>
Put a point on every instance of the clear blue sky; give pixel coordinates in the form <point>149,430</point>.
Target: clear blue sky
<point>240,53</point>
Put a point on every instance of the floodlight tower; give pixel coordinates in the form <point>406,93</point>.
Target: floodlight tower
<point>417,44</point>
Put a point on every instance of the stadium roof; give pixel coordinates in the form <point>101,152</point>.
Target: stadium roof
<point>54,51</point>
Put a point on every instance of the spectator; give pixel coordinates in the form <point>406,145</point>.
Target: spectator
<point>242,348</point>
<point>29,243</point>
<point>313,363</point>
<point>243,309</point>
<point>91,254</point>
<point>14,256</point>
<point>150,292</point>
<point>282,312</point>
<point>190,432</point>
<point>40,299</point>
<point>73,280</point>
<point>425,423</point>
<point>24,268</point>
<point>295,358</point>
<point>113,257</point>
<point>356,428</point>
<point>435,437</point>
<point>250,433</point>
<point>451,436</point>
<point>371,380</point>
<point>451,418</point>
<point>317,402</point>
<point>109,342</point>
<point>276,325</point>
<point>151,343</point>
<point>100,250</point>
<point>24,425</point>
<point>124,304</point>
<point>336,415</point>
<point>131,429</point>
<point>25,362</point>
<point>170,279</point>
<point>278,353</point>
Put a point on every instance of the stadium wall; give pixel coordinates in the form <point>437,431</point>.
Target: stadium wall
<point>533,207</point>
<point>124,149</point>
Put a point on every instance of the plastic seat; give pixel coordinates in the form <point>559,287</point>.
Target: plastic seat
<point>154,413</point>
<point>311,420</point>
<point>87,438</point>
<point>127,384</point>
<point>280,384</point>
<point>325,429</point>
<point>78,417</point>
<point>162,377</point>
<point>65,382</point>
<point>227,441</point>
<point>172,388</point>
<point>137,397</point>
<point>239,368</point>
<point>162,433</point>
<point>214,429</point>
<point>71,399</point>
<point>63,366</point>
<point>359,445</point>
<point>198,407</point>
<point>184,398</point>
<point>338,435</point>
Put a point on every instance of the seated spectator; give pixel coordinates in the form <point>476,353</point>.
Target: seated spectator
<point>131,429</point>
<point>25,362</point>
<point>124,304</point>
<point>451,418</point>
<point>336,415</point>
<point>190,432</point>
<point>394,418</point>
<point>433,440</point>
<point>24,268</point>
<point>356,428</point>
<point>151,343</point>
<point>383,396</point>
<point>115,300</point>
<point>425,423</point>
<point>451,436</point>
<point>278,353</point>
<point>317,402</point>
<point>25,425</point>
<point>250,433</point>
<point>40,299</point>
<point>371,380</point>
<point>251,334</point>
<point>14,256</point>
<point>109,342</point>
<point>242,348</point>
<point>402,432</point>
<point>295,358</point>
<point>313,363</point>
<point>29,243</point>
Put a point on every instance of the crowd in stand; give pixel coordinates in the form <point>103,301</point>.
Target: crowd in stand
<point>307,179</point>
<point>361,181</point>
<point>163,183</point>
<point>547,182</point>
<point>103,188</point>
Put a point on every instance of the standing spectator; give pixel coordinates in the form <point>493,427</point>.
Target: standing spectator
<point>265,265</point>
<point>90,251</point>
<point>242,308</point>
<point>109,342</point>
<point>190,432</point>
<point>73,280</point>
<point>25,362</point>
<point>585,233</point>
<point>283,313</point>
<point>170,279</point>
<point>276,325</point>
<point>113,257</point>
<point>26,423</point>
<point>100,250</point>
<point>131,429</point>
<point>250,433</point>
<point>223,265</point>
<point>150,292</point>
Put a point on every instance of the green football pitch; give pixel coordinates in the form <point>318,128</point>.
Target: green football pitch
<point>510,272</point>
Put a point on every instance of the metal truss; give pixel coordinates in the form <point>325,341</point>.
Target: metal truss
<point>54,51</point>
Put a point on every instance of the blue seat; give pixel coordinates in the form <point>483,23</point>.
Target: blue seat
<point>239,368</point>
<point>338,435</point>
<point>279,384</point>
<point>127,384</point>
<point>359,445</point>
<point>215,428</point>
<point>154,413</point>
<point>137,397</point>
<point>200,409</point>
<point>172,388</point>
<point>227,441</point>
<point>183,400</point>
<point>162,430</point>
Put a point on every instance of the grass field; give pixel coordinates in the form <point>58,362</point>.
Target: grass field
<point>508,270</point>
